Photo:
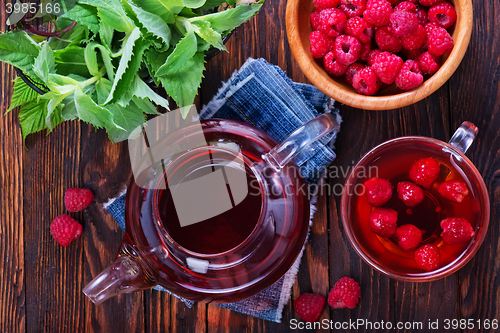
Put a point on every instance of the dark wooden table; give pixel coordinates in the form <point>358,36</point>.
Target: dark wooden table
<point>41,283</point>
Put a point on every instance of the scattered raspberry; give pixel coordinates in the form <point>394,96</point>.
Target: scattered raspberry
<point>409,237</point>
<point>422,17</point>
<point>332,66</point>
<point>403,23</point>
<point>425,171</point>
<point>356,27</point>
<point>345,293</point>
<point>427,257</point>
<point>415,40</point>
<point>322,4</point>
<point>440,42</point>
<point>320,44</point>
<point>387,41</point>
<point>443,14</point>
<point>409,76</point>
<point>387,66</point>
<point>315,21</point>
<point>65,229</point>
<point>351,70</point>
<point>429,63</point>
<point>410,193</point>
<point>378,190</point>
<point>456,230</point>
<point>365,52</point>
<point>372,55</point>
<point>77,199</point>
<point>309,306</point>
<point>378,12</point>
<point>406,6</point>
<point>383,221</point>
<point>453,190</point>
<point>429,3</point>
<point>347,50</point>
<point>366,82</point>
<point>353,8</point>
<point>332,22</point>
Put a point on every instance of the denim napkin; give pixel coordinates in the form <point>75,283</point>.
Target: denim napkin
<point>261,94</point>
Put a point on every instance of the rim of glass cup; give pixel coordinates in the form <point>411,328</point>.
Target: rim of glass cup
<point>442,272</point>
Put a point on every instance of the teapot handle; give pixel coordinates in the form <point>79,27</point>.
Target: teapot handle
<point>308,133</point>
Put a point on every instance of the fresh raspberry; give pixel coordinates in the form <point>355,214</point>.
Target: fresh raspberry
<point>322,4</point>
<point>456,230</point>
<point>315,21</point>
<point>309,306</point>
<point>408,237</point>
<point>332,66</point>
<point>351,70</point>
<point>440,42</point>
<point>356,27</point>
<point>383,221</point>
<point>403,23</point>
<point>429,63</point>
<point>422,17</point>
<point>364,54</point>
<point>65,229</point>
<point>347,50</point>
<point>366,82</point>
<point>425,171</point>
<point>410,193</point>
<point>378,12</point>
<point>406,6</point>
<point>345,293</point>
<point>429,3</point>
<point>427,257</point>
<point>332,22</point>
<point>430,27</point>
<point>415,40</point>
<point>387,66</point>
<point>410,76</point>
<point>387,41</point>
<point>443,14</point>
<point>320,44</point>
<point>77,199</point>
<point>353,8</point>
<point>378,190</point>
<point>372,55</point>
<point>453,190</point>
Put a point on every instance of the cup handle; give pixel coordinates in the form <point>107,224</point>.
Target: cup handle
<point>308,133</point>
<point>464,136</point>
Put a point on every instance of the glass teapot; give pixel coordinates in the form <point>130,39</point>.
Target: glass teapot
<point>216,211</point>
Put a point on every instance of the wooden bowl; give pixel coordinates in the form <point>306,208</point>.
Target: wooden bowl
<point>298,28</point>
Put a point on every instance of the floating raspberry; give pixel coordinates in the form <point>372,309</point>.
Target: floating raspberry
<point>453,190</point>
<point>409,76</point>
<point>345,293</point>
<point>443,14</point>
<point>406,6</point>
<point>65,229</point>
<point>422,17</point>
<point>372,55</point>
<point>429,63</point>
<point>387,41</point>
<point>332,22</point>
<point>320,44</point>
<point>309,306</point>
<point>456,230</point>
<point>429,3</point>
<point>415,40</point>
<point>353,8</point>
<point>322,4</point>
<point>366,82</point>
<point>315,21</point>
<point>425,171</point>
<point>427,257</point>
<point>332,66</point>
<point>364,54</point>
<point>356,27</point>
<point>387,66</point>
<point>378,12</point>
<point>410,193</point>
<point>409,237</point>
<point>383,221</point>
<point>77,199</point>
<point>378,190</point>
<point>351,70</point>
<point>347,49</point>
<point>403,23</point>
<point>440,42</point>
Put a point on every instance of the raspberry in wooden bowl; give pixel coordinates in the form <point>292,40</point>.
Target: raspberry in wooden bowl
<point>378,54</point>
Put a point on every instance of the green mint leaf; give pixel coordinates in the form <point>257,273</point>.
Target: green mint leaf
<point>193,3</point>
<point>111,13</point>
<point>142,90</point>
<point>210,4</point>
<point>214,38</point>
<point>145,105</point>
<point>32,117</point>
<point>71,60</point>
<point>152,23</point>
<point>44,63</point>
<point>21,93</point>
<point>88,111</point>
<point>106,34</point>
<point>68,111</point>
<point>85,15</point>
<point>162,8</point>
<point>103,88</point>
<point>184,51</point>
<point>91,60</point>
<point>128,119</point>
<point>154,60</point>
<point>54,104</point>
<point>69,38</point>
<point>19,50</point>
<point>231,18</point>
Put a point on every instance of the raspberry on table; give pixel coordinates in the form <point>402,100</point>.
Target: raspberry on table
<point>387,66</point>
<point>403,23</point>
<point>425,171</point>
<point>322,4</point>
<point>415,40</point>
<point>366,82</point>
<point>378,190</point>
<point>347,49</point>
<point>429,3</point>
<point>453,190</point>
<point>372,55</point>
<point>409,237</point>
<point>332,22</point>
<point>427,257</point>
<point>332,66</point>
<point>456,230</point>
<point>309,306</point>
<point>378,12</point>
<point>65,229</point>
<point>410,193</point>
<point>383,221</point>
<point>429,63</point>
<point>406,6</point>
<point>353,8</point>
<point>440,42</point>
<point>422,17</point>
<point>364,54</point>
<point>351,70</point>
<point>387,41</point>
<point>320,44</point>
<point>77,199</point>
<point>356,27</point>
<point>443,14</point>
<point>315,22</point>
<point>345,293</point>
<point>409,77</point>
